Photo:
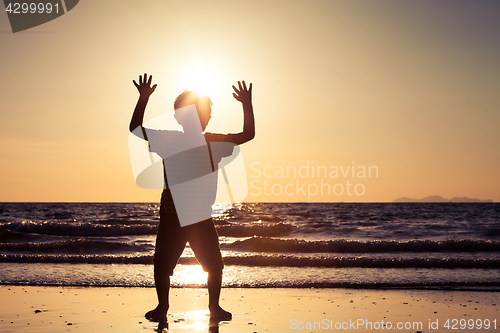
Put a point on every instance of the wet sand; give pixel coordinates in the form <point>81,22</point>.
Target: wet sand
<point>93,309</point>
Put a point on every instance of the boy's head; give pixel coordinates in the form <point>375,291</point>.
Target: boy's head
<point>202,102</point>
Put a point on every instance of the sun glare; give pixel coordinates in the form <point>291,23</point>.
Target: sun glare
<point>192,275</point>
<point>212,78</point>
<point>202,79</point>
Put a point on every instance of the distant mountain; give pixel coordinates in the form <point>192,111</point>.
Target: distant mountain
<point>465,199</point>
<point>438,198</point>
<point>405,199</point>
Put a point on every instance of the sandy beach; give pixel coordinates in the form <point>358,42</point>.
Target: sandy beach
<point>92,309</point>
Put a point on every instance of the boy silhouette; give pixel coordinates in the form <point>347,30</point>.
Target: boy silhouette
<point>173,232</point>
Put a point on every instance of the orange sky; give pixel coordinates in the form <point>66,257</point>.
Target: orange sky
<point>408,87</point>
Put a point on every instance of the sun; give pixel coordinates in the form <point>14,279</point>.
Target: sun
<point>202,79</point>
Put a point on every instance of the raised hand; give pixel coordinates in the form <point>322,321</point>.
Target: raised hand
<point>243,94</point>
<point>144,86</point>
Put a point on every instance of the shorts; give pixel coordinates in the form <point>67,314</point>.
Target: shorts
<point>171,240</point>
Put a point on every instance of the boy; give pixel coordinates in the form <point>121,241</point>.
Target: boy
<point>202,236</point>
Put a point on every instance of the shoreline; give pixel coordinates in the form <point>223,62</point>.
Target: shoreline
<point>121,309</point>
<point>449,288</point>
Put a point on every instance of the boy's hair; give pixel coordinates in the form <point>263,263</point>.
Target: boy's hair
<point>203,103</point>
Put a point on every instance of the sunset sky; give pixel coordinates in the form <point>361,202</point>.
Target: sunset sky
<point>410,88</point>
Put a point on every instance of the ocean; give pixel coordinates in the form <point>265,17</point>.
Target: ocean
<point>446,246</point>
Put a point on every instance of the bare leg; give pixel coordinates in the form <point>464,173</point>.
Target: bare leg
<point>214,283</point>
<point>162,283</point>
<point>159,314</point>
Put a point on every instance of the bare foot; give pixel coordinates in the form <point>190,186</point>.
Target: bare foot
<point>155,315</point>
<point>219,314</point>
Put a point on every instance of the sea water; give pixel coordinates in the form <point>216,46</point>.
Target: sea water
<point>301,245</point>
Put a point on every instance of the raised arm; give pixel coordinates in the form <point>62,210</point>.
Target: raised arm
<point>145,90</point>
<point>244,96</point>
